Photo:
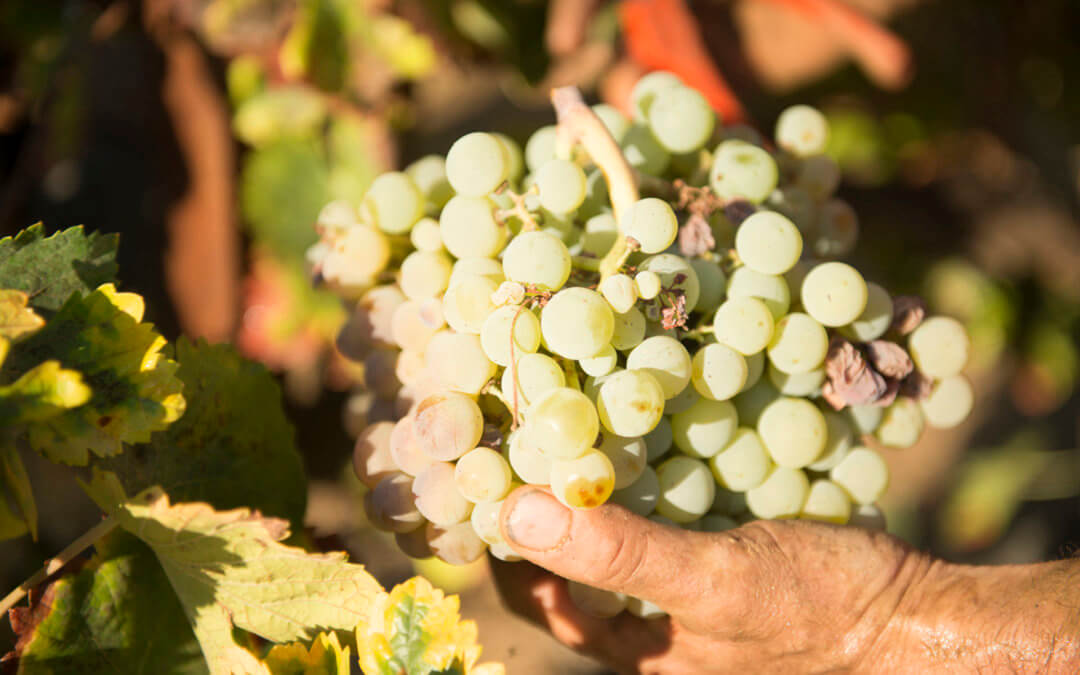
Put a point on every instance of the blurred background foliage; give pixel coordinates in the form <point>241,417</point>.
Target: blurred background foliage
<point>209,133</point>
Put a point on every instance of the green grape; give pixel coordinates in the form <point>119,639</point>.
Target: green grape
<point>665,359</point>
<point>577,323</point>
<point>827,502</point>
<point>641,496</point>
<point>794,278</point>
<point>713,284</point>
<point>405,449</point>
<point>562,424</point>
<point>390,504</point>
<point>599,234</point>
<point>614,121</point>
<point>425,274</point>
<point>467,304</point>
<point>863,475</point>
<point>630,403</point>
<point>562,185</point>
<point>743,463</point>
<point>939,347</point>
<point>538,259</point>
<point>711,522</point>
<point>628,456</point>
<point>718,372</point>
<point>429,174</point>
<point>476,266</point>
<point>372,460</point>
<point>448,425</point>
<point>769,288</point>
<point>528,463</point>
<point>675,274</point>
<point>596,601</point>
<point>745,324</point>
<point>379,376</point>
<point>680,119</point>
<point>584,482</point>
<point>838,442</point>
<point>619,291</point>
<point>802,131</point>
<point>868,517</point>
<point>437,496</point>
<point>476,164</point>
<point>596,197</point>
<point>781,495</point>
<point>864,419</point>
<point>495,334</point>
<point>414,543</point>
<point>797,384</point>
<point>768,243</point>
<point>469,229</point>
<point>793,431</point>
<point>485,521</point>
<point>949,403</point>
<point>426,235</point>
<point>681,401</point>
<point>643,609</point>
<point>652,223</point>
<point>875,318</point>
<point>901,424</point>
<point>601,364</point>
<point>705,428</point>
<point>457,362</point>
<point>540,148</point>
<point>837,229</point>
<point>629,329</point>
<point>659,440</point>
<point>834,293</point>
<point>643,152</point>
<point>356,258</point>
<point>755,366</point>
<point>482,475</point>
<point>687,489</point>
<point>742,171</point>
<point>533,375</point>
<point>415,322</point>
<point>819,176</point>
<point>456,544</point>
<point>798,345</point>
<point>394,203</point>
<point>515,167</point>
<point>648,284</point>
<point>796,204</point>
<point>647,87</point>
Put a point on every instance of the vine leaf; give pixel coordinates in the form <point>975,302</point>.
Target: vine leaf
<point>415,629</point>
<point>17,319</point>
<point>326,657</point>
<point>115,615</point>
<point>51,268</point>
<point>41,393</point>
<point>234,428</point>
<point>229,569</point>
<point>18,511</point>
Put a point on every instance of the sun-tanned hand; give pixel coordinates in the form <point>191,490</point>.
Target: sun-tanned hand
<point>783,596</point>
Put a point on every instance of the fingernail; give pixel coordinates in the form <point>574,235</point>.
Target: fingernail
<point>538,522</point>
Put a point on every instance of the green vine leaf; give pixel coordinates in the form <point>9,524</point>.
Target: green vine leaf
<point>17,319</point>
<point>325,657</point>
<point>50,269</point>
<point>234,428</point>
<point>282,188</point>
<point>115,615</point>
<point>44,392</point>
<point>18,511</point>
<point>229,569</point>
<point>416,630</point>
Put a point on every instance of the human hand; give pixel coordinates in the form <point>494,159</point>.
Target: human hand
<point>785,596</point>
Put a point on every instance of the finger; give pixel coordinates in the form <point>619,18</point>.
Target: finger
<point>609,547</point>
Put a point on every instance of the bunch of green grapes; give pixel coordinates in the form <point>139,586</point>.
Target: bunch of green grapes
<point>692,355</point>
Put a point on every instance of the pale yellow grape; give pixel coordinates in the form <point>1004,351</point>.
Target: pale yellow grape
<point>901,424</point>
<point>540,148</point>
<point>628,456</point>
<point>414,322</point>
<point>410,366</point>
<point>576,323</point>
<point>728,503</point>
<point>794,278</point>
<point>781,495</point>
<point>414,543</point>
<point>457,361</point>
<point>713,283</point>
<point>372,460</point>
<point>687,489</point>
<point>705,428</point>
<point>506,554</point>
<point>819,176</point>
<point>643,609</point>
<point>476,267</point>
<point>429,174</point>
<point>476,164</point>
<point>426,235</point>
<point>613,119</point>
<point>802,131</point>
<point>712,522</point>
<point>658,441</point>
<point>425,274</point>
<point>742,171</point>
<point>528,463</point>
<point>437,495</point>
<point>515,157</point>
<point>630,403</point>
<point>629,329</point>
<point>537,258</point>
<point>467,304</point>
<point>797,384</point>
<point>498,327</point>
<point>585,482</point>
<point>827,502</point>
<point>743,463</point>
<point>665,359</point>
<point>394,202</point>
<point>868,517</point>
<point>485,521</point>
<point>469,229</point>
<point>839,441</point>
<point>655,328</point>
<point>838,229</point>
<point>718,371</point>
<point>646,88</point>
<point>769,288</point>
<point>379,372</point>
<point>755,367</point>
<point>652,223</point>
<point>599,234</point>
<point>601,364</point>
<point>356,258</point>
<point>753,401</point>
<point>799,344</point>
<point>561,423</point>
<point>390,505</point>
<point>482,475</point>
<point>949,402</point>
<point>448,425</point>
<point>863,475</point>
<point>874,320</point>
<point>533,375</point>
<point>456,544</point>
<point>768,242</point>
<point>939,347</point>
<point>668,267</point>
<point>337,214</point>
<point>681,401</point>
<point>834,293</point>
<point>619,291</point>
<point>793,431</point>
<point>681,119</point>
<point>744,324</point>
<point>561,184</point>
<point>641,496</point>
<point>864,419</point>
<point>596,602</point>
<point>405,448</point>
<point>648,284</point>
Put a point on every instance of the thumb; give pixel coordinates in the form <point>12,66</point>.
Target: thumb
<point>609,547</point>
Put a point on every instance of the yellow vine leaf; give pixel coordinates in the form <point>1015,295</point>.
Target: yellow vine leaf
<point>17,319</point>
<point>325,657</point>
